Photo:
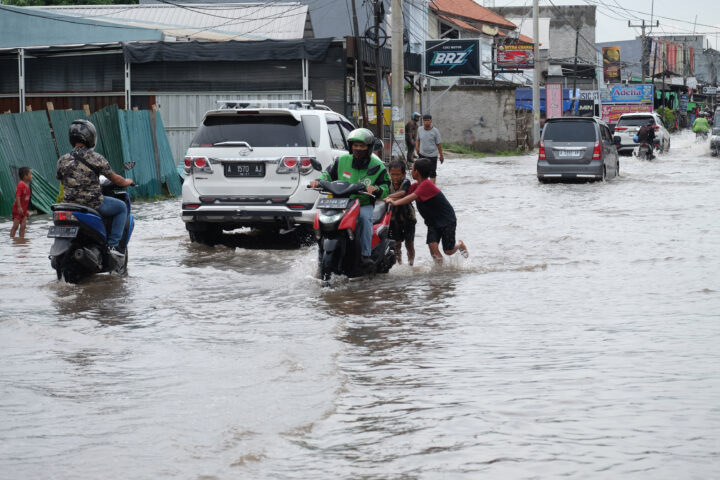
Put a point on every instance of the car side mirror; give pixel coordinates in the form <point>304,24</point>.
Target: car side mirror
<point>316,164</point>
<point>617,140</point>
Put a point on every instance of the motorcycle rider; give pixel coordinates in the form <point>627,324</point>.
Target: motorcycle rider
<point>79,172</point>
<point>361,166</point>
<point>646,134</point>
<point>701,126</point>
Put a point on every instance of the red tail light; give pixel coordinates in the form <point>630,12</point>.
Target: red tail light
<point>188,162</point>
<point>541,153</point>
<point>656,127</point>
<point>200,162</point>
<point>316,223</point>
<point>620,129</point>
<point>64,217</point>
<point>350,219</point>
<point>290,162</point>
<point>597,151</point>
<point>305,162</point>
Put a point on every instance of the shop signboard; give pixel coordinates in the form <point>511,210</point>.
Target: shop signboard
<point>621,93</point>
<point>452,58</point>
<point>512,56</point>
<point>611,113</point>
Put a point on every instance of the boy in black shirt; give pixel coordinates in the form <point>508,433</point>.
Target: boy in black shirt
<point>402,222</point>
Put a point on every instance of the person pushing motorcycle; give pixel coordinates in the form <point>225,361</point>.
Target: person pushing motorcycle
<point>361,166</point>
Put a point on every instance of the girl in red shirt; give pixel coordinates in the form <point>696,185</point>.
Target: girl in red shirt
<point>435,209</point>
<point>22,202</point>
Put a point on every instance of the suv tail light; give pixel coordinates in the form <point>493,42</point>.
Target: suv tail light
<point>197,164</point>
<point>620,129</point>
<point>295,164</point>
<point>541,152</point>
<point>597,151</point>
<point>656,127</point>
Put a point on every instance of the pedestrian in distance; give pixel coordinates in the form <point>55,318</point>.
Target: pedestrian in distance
<point>411,133</point>
<point>20,212</point>
<point>435,209</point>
<point>429,145</point>
<point>402,221</point>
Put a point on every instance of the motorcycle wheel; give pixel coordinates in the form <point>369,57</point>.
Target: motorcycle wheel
<point>67,269</point>
<point>329,264</point>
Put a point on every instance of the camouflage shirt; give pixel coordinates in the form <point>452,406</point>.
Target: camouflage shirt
<point>81,184</point>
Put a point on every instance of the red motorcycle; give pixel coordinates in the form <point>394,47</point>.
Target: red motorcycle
<point>335,225</point>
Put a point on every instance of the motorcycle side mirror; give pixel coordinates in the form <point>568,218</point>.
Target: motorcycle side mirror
<point>316,164</point>
<point>128,165</point>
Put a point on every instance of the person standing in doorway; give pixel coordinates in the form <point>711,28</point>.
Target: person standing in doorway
<point>429,145</point>
<point>411,132</point>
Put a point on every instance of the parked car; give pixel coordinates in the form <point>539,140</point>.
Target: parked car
<point>628,126</point>
<point>577,148</point>
<point>249,167</point>
<point>715,140</point>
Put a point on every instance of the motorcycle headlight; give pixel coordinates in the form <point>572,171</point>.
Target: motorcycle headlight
<point>330,218</point>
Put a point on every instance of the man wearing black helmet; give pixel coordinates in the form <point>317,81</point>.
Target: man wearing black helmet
<point>79,171</point>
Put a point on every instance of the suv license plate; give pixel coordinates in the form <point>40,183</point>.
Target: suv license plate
<point>62,232</point>
<point>244,169</point>
<point>333,203</point>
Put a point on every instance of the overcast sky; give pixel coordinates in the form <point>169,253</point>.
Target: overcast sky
<point>675,16</point>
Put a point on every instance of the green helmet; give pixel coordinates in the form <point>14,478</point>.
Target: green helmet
<point>362,135</point>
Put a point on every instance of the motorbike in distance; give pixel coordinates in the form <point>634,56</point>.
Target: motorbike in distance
<point>646,149</point>
<point>80,248</point>
<point>335,225</point>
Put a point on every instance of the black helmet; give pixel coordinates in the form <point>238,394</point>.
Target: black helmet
<point>82,131</point>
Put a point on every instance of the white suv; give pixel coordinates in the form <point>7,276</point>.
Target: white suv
<point>249,167</point>
<point>628,126</point>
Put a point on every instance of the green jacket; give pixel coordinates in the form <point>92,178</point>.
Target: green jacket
<point>701,125</point>
<point>375,174</point>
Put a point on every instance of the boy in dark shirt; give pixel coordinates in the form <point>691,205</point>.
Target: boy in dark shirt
<point>435,209</point>
<point>402,222</point>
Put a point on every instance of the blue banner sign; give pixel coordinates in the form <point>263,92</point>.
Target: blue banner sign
<point>620,93</point>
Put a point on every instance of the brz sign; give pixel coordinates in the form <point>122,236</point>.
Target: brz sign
<point>452,58</point>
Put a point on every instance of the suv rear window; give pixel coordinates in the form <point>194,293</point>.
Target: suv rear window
<point>569,131</point>
<point>634,121</point>
<point>257,130</point>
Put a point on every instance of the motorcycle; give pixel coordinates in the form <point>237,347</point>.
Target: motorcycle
<point>335,224</point>
<point>645,149</point>
<point>80,248</point>
<point>701,137</point>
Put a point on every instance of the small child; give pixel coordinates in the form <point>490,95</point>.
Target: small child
<point>402,222</point>
<point>435,209</point>
<point>22,202</point>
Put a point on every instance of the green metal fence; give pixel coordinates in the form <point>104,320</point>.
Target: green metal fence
<point>29,139</point>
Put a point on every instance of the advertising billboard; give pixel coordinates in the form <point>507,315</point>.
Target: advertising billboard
<point>620,93</point>
<point>512,56</point>
<point>611,113</point>
<point>452,58</point>
<point>611,63</point>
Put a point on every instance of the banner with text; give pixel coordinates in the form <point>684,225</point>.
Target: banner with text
<point>452,58</point>
<point>611,113</point>
<point>620,93</point>
<point>513,56</point>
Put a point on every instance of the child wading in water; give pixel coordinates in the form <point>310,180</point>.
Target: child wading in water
<point>21,205</point>
<point>402,222</point>
<point>435,209</point>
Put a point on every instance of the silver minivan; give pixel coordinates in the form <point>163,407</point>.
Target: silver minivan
<point>576,148</point>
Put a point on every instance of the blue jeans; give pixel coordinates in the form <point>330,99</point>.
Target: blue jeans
<point>112,207</point>
<point>364,229</point>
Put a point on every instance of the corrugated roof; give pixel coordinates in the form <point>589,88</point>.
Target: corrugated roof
<point>460,23</point>
<point>217,21</point>
<point>470,9</point>
<point>26,27</point>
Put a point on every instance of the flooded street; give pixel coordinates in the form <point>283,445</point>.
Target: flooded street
<point>579,339</point>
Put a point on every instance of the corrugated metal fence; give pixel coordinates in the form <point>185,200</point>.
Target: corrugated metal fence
<point>27,139</point>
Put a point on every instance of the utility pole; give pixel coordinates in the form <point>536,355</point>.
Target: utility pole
<point>536,76</point>
<point>360,69</point>
<point>644,62</point>
<point>398,70</point>
<point>574,92</point>
<point>378,11</point>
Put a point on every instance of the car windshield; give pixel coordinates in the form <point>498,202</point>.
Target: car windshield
<point>569,131</point>
<point>256,130</point>
<point>635,121</point>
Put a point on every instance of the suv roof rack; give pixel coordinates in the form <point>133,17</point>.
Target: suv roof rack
<point>262,103</point>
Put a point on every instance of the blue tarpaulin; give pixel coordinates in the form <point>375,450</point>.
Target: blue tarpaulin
<point>523,99</point>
